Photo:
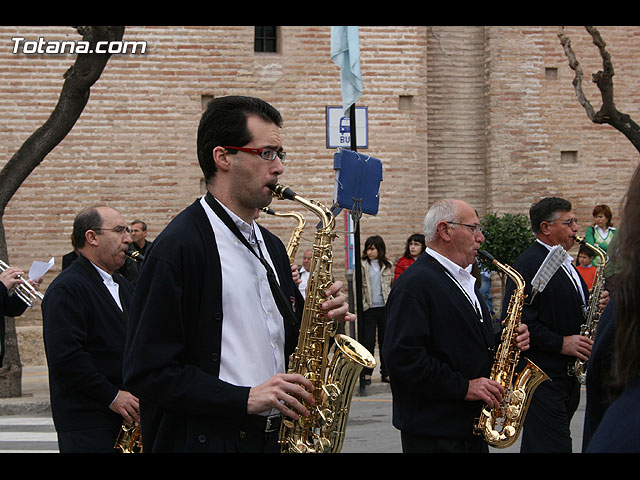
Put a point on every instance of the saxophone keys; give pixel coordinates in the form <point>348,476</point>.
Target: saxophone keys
<point>512,412</point>
<point>331,391</point>
<point>325,417</point>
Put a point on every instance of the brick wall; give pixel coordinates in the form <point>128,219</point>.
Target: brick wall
<point>453,111</point>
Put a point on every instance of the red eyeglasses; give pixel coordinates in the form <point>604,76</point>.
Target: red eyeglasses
<point>267,153</point>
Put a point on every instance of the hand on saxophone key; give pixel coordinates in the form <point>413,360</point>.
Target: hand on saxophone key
<point>577,346</point>
<point>485,389</point>
<point>522,339</point>
<point>283,392</point>
<point>126,405</point>
<point>337,308</point>
<point>295,274</point>
<point>604,300</point>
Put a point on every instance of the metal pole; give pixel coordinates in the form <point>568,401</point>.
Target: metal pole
<point>356,243</point>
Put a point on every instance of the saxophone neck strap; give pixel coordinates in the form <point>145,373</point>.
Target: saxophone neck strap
<point>279,296</point>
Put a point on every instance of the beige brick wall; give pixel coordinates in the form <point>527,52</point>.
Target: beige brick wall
<point>453,111</point>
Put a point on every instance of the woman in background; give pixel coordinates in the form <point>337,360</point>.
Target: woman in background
<point>377,277</point>
<point>414,247</point>
<point>602,231</point>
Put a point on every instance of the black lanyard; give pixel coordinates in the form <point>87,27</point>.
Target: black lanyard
<point>283,304</point>
<point>576,285</point>
<point>484,326</point>
<point>475,306</point>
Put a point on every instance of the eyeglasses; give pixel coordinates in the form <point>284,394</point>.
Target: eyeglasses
<point>570,221</point>
<point>267,153</point>
<point>120,229</point>
<point>474,228</point>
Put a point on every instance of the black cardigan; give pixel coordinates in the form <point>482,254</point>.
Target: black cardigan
<point>434,344</point>
<point>84,337</point>
<point>172,358</point>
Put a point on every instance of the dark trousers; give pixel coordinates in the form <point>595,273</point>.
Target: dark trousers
<point>258,434</point>
<point>374,321</point>
<point>546,428</point>
<point>419,444</point>
<point>94,440</point>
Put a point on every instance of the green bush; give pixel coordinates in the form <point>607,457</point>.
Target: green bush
<point>506,237</point>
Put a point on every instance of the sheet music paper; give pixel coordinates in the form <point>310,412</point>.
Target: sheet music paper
<point>549,266</point>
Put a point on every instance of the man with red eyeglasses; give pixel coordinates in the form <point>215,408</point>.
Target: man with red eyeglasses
<point>209,336</point>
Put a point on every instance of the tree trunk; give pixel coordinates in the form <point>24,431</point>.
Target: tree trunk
<point>79,79</point>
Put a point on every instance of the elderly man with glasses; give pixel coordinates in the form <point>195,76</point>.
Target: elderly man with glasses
<point>440,341</point>
<point>84,314</point>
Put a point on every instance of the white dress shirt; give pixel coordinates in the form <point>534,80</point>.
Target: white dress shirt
<point>253,330</point>
<point>304,278</point>
<point>465,281</point>
<point>111,285</point>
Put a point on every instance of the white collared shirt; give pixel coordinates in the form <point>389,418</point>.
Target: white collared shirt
<point>465,281</point>
<point>252,329</point>
<point>570,271</point>
<point>304,278</point>
<point>111,285</point>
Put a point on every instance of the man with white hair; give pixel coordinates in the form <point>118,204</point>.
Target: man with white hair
<point>440,342</point>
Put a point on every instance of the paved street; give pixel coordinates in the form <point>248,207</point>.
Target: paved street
<point>26,425</point>
<point>27,434</point>
<point>369,429</point>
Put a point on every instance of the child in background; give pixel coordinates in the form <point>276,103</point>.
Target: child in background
<point>585,266</point>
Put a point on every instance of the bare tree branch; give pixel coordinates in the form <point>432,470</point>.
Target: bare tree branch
<point>608,113</point>
<point>79,79</point>
<point>579,75</point>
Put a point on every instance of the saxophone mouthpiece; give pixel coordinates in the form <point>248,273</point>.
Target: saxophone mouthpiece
<point>134,255</point>
<point>282,192</point>
<point>487,255</point>
<point>579,239</point>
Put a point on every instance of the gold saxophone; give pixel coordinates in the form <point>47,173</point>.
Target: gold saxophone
<point>294,241</point>
<point>592,317</point>
<point>323,431</point>
<point>129,439</point>
<point>501,426</point>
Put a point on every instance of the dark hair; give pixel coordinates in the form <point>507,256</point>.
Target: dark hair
<point>604,210</point>
<point>627,296</point>
<point>224,122</point>
<point>378,242</point>
<point>416,237</point>
<point>143,224</point>
<point>587,251</point>
<point>87,219</point>
<point>546,210</point>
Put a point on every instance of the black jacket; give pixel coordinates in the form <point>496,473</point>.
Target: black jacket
<point>434,344</point>
<point>172,359</point>
<point>550,315</point>
<point>84,336</point>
